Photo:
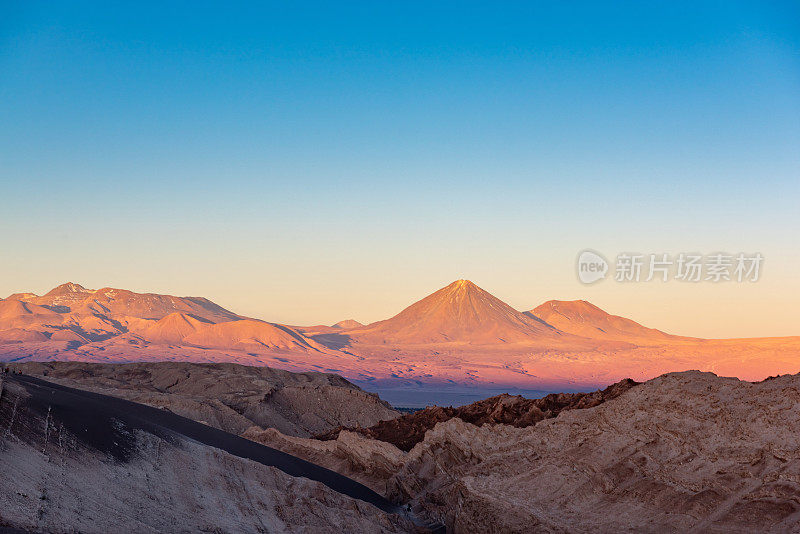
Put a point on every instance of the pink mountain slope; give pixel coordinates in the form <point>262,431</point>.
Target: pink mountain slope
<point>172,329</point>
<point>461,312</point>
<point>584,319</point>
<point>120,303</point>
<point>63,295</point>
<point>72,313</point>
<point>19,335</point>
<point>250,334</point>
<point>14,313</point>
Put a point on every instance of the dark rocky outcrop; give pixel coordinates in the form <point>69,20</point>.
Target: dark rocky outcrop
<point>514,410</point>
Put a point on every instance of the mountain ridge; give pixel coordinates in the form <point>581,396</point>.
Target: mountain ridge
<point>458,335</point>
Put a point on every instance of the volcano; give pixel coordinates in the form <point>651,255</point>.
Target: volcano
<point>458,335</point>
<point>462,312</point>
<point>583,318</point>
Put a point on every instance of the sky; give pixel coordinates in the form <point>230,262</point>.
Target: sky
<point>308,162</point>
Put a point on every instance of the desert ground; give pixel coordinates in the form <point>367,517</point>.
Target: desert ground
<point>73,460</point>
<point>683,452</point>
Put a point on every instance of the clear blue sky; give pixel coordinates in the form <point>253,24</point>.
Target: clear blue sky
<point>310,162</point>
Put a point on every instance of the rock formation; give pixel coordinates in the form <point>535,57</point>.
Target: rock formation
<point>228,396</point>
<point>683,452</point>
<point>75,463</point>
<point>406,431</point>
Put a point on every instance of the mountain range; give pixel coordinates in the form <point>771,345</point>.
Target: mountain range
<point>460,334</point>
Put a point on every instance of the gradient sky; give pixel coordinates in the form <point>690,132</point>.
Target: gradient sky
<point>306,163</point>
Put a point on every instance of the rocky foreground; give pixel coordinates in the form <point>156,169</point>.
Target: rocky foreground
<point>685,452</point>
<point>406,431</point>
<point>73,461</point>
<point>228,396</point>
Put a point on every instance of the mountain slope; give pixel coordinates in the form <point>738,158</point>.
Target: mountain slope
<point>70,315</point>
<point>121,303</point>
<point>249,334</point>
<point>63,295</point>
<point>584,319</point>
<point>20,335</point>
<point>22,322</point>
<point>173,328</point>
<point>14,313</point>
<point>459,335</point>
<point>461,312</point>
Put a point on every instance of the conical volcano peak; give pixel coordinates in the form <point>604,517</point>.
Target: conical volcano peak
<point>463,285</point>
<point>461,312</point>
